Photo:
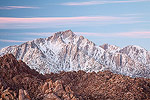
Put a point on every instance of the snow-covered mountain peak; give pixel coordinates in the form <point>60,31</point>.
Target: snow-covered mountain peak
<point>135,47</point>
<point>137,53</point>
<point>63,36</point>
<point>67,34</point>
<point>65,51</point>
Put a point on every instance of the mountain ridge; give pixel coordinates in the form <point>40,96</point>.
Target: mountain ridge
<point>65,51</point>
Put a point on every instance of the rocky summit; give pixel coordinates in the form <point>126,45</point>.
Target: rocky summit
<point>19,82</point>
<point>66,51</point>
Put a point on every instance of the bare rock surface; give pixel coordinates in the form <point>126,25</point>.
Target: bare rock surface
<point>19,82</point>
<point>104,85</point>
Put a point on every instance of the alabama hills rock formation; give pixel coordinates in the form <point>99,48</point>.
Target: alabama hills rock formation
<point>66,51</point>
<point>19,82</point>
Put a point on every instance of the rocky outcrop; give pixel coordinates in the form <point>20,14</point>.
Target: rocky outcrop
<point>7,94</point>
<point>55,90</point>
<point>23,95</point>
<point>19,82</point>
<point>18,79</point>
<point>104,85</point>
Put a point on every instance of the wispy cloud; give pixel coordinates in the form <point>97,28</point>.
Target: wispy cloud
<point>39,34</point>
<point>135,34</point>
<point>16,7</point>
<point>50,19</point>
<point>45,22</point>
<point>14,41</point>
<point>93,34</point>
<point>131,34</point>
<point>100,2</point>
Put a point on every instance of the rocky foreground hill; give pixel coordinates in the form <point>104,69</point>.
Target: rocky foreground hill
<point>66,51</point>
<point>18,81</point>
